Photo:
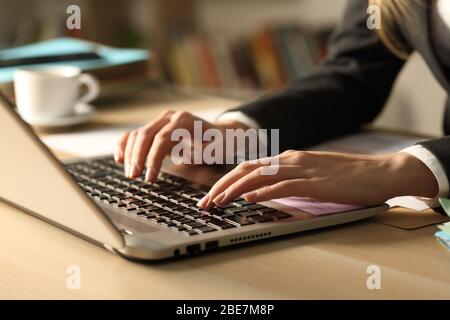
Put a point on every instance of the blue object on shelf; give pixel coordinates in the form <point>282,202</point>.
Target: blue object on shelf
<point>109,56</point>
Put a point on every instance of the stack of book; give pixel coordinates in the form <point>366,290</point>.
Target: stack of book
<point>443,235</point>
<point>265,60</point>
<point>110,65</point>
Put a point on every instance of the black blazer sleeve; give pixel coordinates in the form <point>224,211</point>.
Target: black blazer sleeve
<point>347,90</point>
<point>440,148</point>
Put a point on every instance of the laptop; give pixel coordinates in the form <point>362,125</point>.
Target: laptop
<point>92,199</point>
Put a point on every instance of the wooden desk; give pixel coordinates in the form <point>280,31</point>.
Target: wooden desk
<point>329,263</point>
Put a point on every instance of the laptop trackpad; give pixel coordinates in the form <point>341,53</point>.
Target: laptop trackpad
<point>120,219</point>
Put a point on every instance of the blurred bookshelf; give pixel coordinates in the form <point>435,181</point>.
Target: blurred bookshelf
<point>237,48</point>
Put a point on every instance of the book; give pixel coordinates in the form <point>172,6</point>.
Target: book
<point>109,57</point>
<point>267,60</point>
<point>263,60</point>
<point>110,65</point>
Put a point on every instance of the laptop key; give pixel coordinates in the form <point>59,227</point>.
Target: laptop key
<point>129,200</point>
<point>241,221</point>
<point>255,206</point>
<point>188,203</point>
<point>182,220</point>
<point>190,232</point>
<point>263,218</point>
<point>206,229</point>
<point>194,224</point>
<point>171,216</point>
<point>236,209</point>
<point>242,203</point>
<point>149,215</point>
<point>247,214</point>
<point>149,207</point>
<point>266,210</point>
<point>193,214</point>
<point>220,223</point>
<point>168,224</point>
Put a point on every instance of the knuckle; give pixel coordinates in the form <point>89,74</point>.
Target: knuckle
<point>300,156</point>
<point>285,183</point>
<point>259,171</point>
<point>288,152</point>
<point>143,133</point>
<point>267,190</point>
<point>244,166</point>
<point>163,135</point>
<point>167,112</point>
<point>148,126</point>
<point>179,115</point>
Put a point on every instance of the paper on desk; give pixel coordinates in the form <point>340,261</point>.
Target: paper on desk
<point>87,144</point>
<point>413,203</point>
<point>315,207</point>
<point>100,142</point>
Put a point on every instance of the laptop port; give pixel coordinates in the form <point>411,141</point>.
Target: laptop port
<point>211,244</point>
<point>193,248</point>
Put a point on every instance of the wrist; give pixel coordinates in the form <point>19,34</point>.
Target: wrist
<point>411,177</point>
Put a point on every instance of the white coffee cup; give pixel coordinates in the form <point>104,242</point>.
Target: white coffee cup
<point>47,93</point>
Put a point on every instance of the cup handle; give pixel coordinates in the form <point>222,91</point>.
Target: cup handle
<point>92,85</point>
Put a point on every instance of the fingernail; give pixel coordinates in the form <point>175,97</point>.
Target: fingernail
<point>133,171</point>
<point>203,201</point>
<point>126,168</point>
<point>219,198</point>
<point>116,157</point>
<point>249,196</point>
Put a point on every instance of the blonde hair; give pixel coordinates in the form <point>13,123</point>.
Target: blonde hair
<point>392,12</point>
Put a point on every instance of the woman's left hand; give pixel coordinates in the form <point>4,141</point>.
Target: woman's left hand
<point>326,176</point>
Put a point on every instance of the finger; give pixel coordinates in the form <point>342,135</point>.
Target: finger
<point>161,146</point>
<point>288,188</point>
<point>241,170</point>
<point>128,151</point>
<point>142,144</point>
<point>256,179</point>
<point>163,143</point>
<point>119,155</point>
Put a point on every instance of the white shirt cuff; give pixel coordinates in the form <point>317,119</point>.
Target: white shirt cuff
<point>433,164</point>
<point>240,117</point>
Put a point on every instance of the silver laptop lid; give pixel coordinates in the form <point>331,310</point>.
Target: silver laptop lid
<point>32,178</point>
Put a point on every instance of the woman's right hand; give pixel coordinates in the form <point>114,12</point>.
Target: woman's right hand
<point>145,148</point>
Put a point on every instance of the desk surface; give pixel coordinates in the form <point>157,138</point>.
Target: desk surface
<point>330,263</point>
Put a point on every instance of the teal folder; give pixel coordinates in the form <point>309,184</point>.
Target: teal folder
<point>445,203</point>
<point>443,238</point>
<point>109,56</point>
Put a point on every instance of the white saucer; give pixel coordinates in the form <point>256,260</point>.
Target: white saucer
<point>82,113</point>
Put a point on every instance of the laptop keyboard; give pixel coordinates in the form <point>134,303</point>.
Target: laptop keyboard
<point>170,201</point>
